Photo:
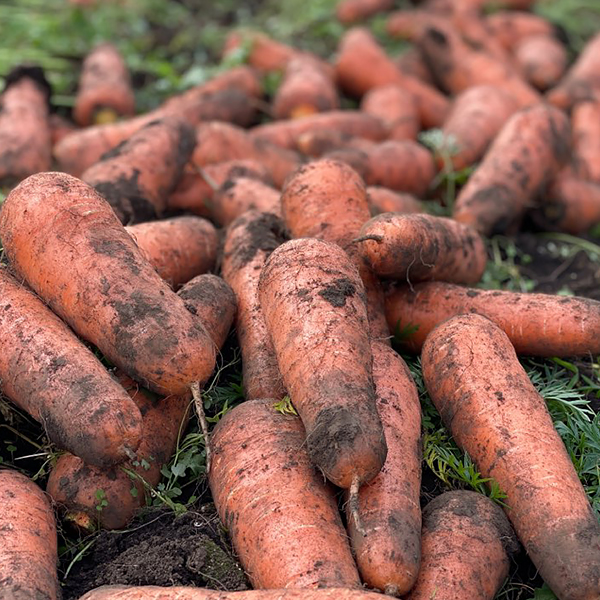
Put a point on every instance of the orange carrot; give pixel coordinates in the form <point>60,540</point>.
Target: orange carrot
<point>249,241</point>
<point>388,550</point>
<point>411,24</point>
<point>29,552</point>
<point>265,53</point>
<point>137,176</point>
<point>261,465</point>
<point>411,63</point>
<point>105,91</point>
<point>383,200</point>
<point>307,285</point>
<point>542,60</point>
<point>25,141</point>
<point>422,247</point>
<point>49,373</point>
<point>495,414</point>
<point>529,149</point>
<point>179,248</point>
<point>585,120</point>
<point>352,11</point>
<point>511,27</point>
<point>536,324</point>
<point>70,247</point>
<point>467,548</point>
<point>395,107</point>
<point>322,141</point>
<point>60,127</point>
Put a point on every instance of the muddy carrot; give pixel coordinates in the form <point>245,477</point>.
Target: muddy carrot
<point>320,142</point>
<point>383,200</point>
<point>495,414</point>
<point>411,62</point>
<point>352,11</point>
<point>511,27</point>
<point>542,60</point>
<point>585,121</point>
<point>29,550</point>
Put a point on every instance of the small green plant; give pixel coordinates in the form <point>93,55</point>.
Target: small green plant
<point>102,500</point>
<point>503,267</point>
<point>285,406</point>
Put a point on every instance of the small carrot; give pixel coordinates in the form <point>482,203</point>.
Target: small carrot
<point>510,28</point>
<point>542,60</point>
<point>585,121</point>
<point>282,517</point>
<point>467,547</point>
<point>29,549</point>
<point>383,200</point>
<point>319,142</point>
<point>352,11</point>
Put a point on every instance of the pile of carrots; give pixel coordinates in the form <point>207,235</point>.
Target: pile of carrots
<point>144,239</point>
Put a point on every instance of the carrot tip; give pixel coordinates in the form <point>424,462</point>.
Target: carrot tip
<point>391,590</point>
<point>353,504</point>
<point>199,405</point>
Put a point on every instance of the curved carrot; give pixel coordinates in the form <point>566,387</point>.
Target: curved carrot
<point>395,107</point>
<point>305,286</point>
<point>28,553</point>
<point>49,373</point>
<point>249,241</point>
<point>542,60</point>
<point>351,11</point>
<point>282,517</point>
<point>179,248</point>
<point>422,247</point>
<point>388,551</point>
<point>467,548</point>
<point>585,121</point>
<point>495,414</point>
<point>104,90</point>
<point>68,244</point>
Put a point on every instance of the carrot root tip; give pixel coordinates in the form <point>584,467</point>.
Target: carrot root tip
<point>199,405</point>
<point>391,590</point>
<point>353,505</point>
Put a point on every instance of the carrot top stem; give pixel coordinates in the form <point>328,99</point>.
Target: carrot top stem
<point>199,405</point>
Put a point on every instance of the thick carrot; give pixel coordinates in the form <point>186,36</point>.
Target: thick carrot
<point>388,550</point>
<point>585,121</point>
<point>495,414</point>
<point>421,248</point>
<point>137,176</point>
<point>542,60</point>
<point>510,28</point>
<point>467,548</point>
<point>179,248</point>
<point>68,244</point>
<point>582,80</point>
<point>306,89</point>
<point>528,151</point>
<point>308,287</point>
<point>249,241</point>
<point>363,65</point>
<point>476,117</point>
<point>25,139</point>
<point>29,552</point>
<point>536,324</point>
<point>264,54</point>
<point>383,200</point>
<point>395,107</point>
<point>49,373</point>
<point>104,93</point>
<point>352,11</point>
<point>282,517</point>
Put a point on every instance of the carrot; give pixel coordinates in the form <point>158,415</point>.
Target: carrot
<point>411,24</point>
<point>179,248</point>
<point>542,60</point>
<point>306,287</point>
<point>220,142</point>
<point>104,93</point>
<point>529,149</point>
<point>585,120</point>
<point>70,247</point>
<point>282,517</point>
<point>536,324</point>
<point>388,550</point>
<point>320,142</point>
<point>510,28</point>
<point>328,200</point>
<point>383,200</point>
<point>495,414</point>
<point>363,65</point>
<point>395,107</point>
<point>60,127</point>
<point>411,63</point>
<point>467,548</point>
<point>29,552</point>
<point>25,140</point>
<point>352,123</point>
<point>422,247</point>
<point>82,409</point>
<point>306,89</point>
<point>249,240</point>
<point>476,117</point>
<point>352,11</point>
<point>137,176</point>
<point>582,81</point>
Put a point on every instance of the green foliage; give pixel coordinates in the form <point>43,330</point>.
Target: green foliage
<point>502,270</point>
<point>285,406</point>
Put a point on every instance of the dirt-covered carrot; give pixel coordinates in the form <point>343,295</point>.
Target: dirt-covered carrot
<point>388,549</point>
<point>467,547</point>
<point>536,324</point>
<point>383,200</point>
<point>49,373</point>
<point>249,241</point>
<point>411,62</point>
<point>526,154</point>
<point>476,117</point>
<point>542,60</point>
<point>179,248</point>
<point>308,287</point>
<point>264,53</point>
<point>411,24</point>
<point>510,28</point>
<point>29,549</point>
<point>363,65</point>
<point>422,247</point>
<point>395,107</point>
<point>65,240</point>
<point>353,11</point>
<point>582,80</point>
<point>25,138</point>
<point>495,414</point>
<point>585,121</point>
<point>104,93</point>
<point>137,176</point>
<point>317,143</point>
<point>282,517</point>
